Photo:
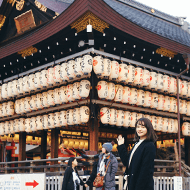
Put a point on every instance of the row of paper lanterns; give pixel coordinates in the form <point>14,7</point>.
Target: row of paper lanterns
<point>186,129</point>
<point>106,68</point>
<point>126,119</point>
<point>70,117</point>
<point>124,94</point>
<point>50,77</point>
<point>75,143</point>
<point>71,92</point>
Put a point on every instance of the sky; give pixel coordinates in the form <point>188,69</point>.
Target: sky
<point>172,7</point>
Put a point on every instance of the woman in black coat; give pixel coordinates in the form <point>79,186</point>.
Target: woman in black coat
<point>71,178</point>
<point>140,161</point>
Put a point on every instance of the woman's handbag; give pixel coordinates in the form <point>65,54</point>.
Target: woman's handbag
<point>99,180</point>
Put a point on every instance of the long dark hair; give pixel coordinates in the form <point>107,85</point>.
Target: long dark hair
<point>151,135</point>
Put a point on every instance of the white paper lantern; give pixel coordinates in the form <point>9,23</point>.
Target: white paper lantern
<point>4,91</point>
<point>102,87</point>
<point>51,76</point>
<point>138,76</point>
<point>118,93</point>
<point>171,126</point>
<point>175,126</point>
<point>44,78</point>
<point>173,104</point>
<point>37,78</point>
<point>21,124</point>
<point>160,82</point>
<point>98,65</point>
<point>165,125</point>
<point>70,117</point>
<point>77,67</point>
<point>147,116</point>
<point>183,106</point>
<point>17,109</point>
<point>154,100</point>
<point>39,104</point>
<point>15,125</point>
<point>11,124</point>
<point>107,68</point>
<point>2,130</point>
<point>159,123</point>
<point>57,74</point>
<point>147,99</point>
<point>22,108</point>
<point>120,118</point>
<point>27,125</point>
<point>84,89</point>
<point>184,88</point>
<point>188,108</point>
<point>186,129</point>
<point>57,96</point>
<point>173,86</point>
<point>63,75</point>
<point>51,121</point>
<point>114,70</point>
<point>131,74</point>
<point>6,126</point>
<point>4,109</point>
<point>133,96</point>
<point>1,111</point>
<point>50,98</point>
<point>39,125</point>
<point>86,64</point>
<point>113,117</point>
<point>31,83</point>
<point>70,92</point>
<point>63,95</point>
<point>14,88</point>
<point>160,102</point>
<point>145,78</point>
<point>153,80</point>
<point>105,115</point>
<point>111,91</point>
<point>44,100</point>
<point>127,119</point>
<point>63,118</point>
<point>180,86</point>
<point>0,93</point>
<point>166,82</point>
<point>84,114</point>
<point>70,69</point>
<point>33,103</point>
<point>133,119</point>
<point>57,120</point>
<point>45,122</point>
<point>9,90</point>
<point>10,108</point>
<point>126,94</point>
<point>76,116</point>
<point>139,116</point>
<point>26,84</point>
<point>153,121</point>
<point>140,98</point>
<point>123,72</point>
<point>166,103</point>
<point>188,90</point>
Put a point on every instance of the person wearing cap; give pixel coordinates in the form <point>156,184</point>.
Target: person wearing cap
<point>71,178</point>
<point>106,158</point>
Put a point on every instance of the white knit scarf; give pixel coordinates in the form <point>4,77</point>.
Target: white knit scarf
<point>102,165</point>
<point>76,179</point>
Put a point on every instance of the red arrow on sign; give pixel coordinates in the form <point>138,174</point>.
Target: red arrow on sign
<point>34,184</point>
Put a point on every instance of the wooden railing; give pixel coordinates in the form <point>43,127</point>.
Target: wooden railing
<point>57,166</point>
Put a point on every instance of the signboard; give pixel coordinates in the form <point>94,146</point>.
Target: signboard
<point>22,182</point>
<point>177,183</point>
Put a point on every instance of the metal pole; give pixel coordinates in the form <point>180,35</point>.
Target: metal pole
<point>186,58</point>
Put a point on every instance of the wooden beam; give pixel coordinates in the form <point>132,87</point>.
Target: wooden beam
<point>187,151</point>
<point>22,147</point>
<point>43,144</point>
<point>93,135</point>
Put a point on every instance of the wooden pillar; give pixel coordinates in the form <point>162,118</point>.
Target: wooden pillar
<point>43,144</point>
<point>22,148</point>
<point>93,134</point>
<point>54,144</point>
<point>187,151</point>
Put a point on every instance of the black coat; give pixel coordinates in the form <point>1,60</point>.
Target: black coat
<point>141,168</point>
<point>68,183</point>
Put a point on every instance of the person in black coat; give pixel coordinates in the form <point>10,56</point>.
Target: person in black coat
<point>71,178</point>
<point>140,161</point>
